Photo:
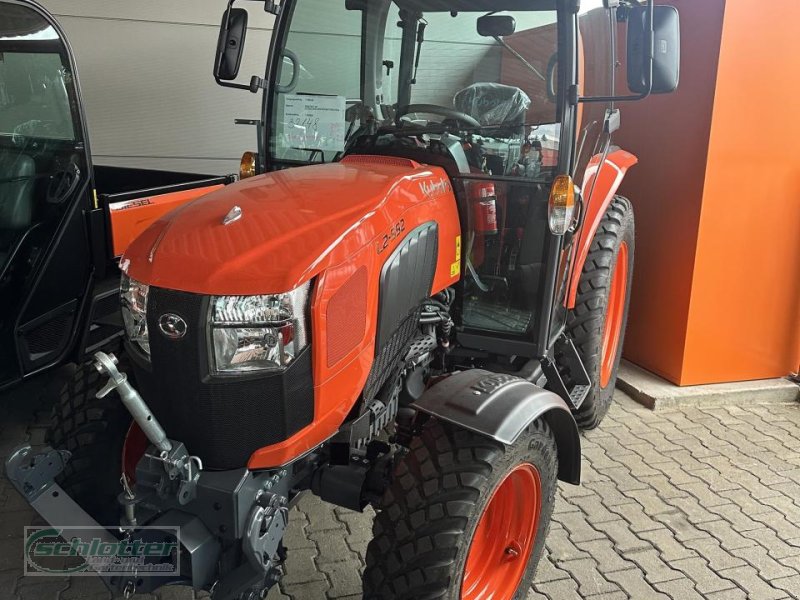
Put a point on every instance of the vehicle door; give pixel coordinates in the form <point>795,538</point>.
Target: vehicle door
<point>45,192</point>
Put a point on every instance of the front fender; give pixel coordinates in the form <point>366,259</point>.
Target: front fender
<point>599,190</point>
<point>501,407</point>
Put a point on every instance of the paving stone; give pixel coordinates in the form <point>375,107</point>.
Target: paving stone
<point>655,570</point>
<point>548,571</point>
<point>590,580</point>
<point>624,540</point>
<point>790,585</point>
<point>767,567</point>
<point>344,579</point>
<point>607,558</point>
<point>709,549</point>
<point>748,579</point>
<point>564,589</point>
<point>776,547</point>
<point>634,584</point>
<point>732,594</point>
<point>301,568</point>
<point>728,538</point>
<point>175,592</point>
<point>668,547</point>
<point>561,547</point>
<point>636,518</point>
<point>679,589</point>
<point>85,587</point>
<point>332,547</point>
<point>705,580</point>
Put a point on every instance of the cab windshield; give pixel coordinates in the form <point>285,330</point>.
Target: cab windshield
<point>416,68</point>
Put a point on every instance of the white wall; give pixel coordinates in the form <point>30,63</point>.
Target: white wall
<point>145,71</point>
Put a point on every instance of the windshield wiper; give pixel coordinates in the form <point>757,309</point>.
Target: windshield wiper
<point>521,58</point>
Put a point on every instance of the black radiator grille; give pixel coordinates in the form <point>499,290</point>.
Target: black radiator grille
<point>220,419</point>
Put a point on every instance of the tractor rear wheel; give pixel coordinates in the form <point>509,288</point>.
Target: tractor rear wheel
<point>597,323</point>
<point>464,518</point>
<point>93,430</point>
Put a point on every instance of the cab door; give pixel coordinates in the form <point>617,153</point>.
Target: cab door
<point>45,193</point>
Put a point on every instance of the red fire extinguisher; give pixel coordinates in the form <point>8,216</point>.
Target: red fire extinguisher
<point>485,208</point>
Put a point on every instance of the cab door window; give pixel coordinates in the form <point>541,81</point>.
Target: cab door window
<point>41,157</point>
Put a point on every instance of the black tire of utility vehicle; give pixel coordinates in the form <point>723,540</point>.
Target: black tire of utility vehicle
<point>428,517</point>
<point>586,322</point>
<point>93,430</point>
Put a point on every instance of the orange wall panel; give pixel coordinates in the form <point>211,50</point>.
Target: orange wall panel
<point>744,317</point>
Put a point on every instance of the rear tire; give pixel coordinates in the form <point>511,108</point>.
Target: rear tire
<point>93,430</point>
<point>597,323</point>
<point>426,533</point>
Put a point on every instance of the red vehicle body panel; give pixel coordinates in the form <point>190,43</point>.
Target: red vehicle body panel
<point>333,222</point>
<point>599,192</point>
<point>130,218</point>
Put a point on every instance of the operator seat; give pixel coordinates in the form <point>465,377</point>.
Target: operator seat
<point>17,177</point>
<point>495,104</point>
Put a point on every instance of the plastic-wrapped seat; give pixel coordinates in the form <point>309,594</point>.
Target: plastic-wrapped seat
<point>495,104</point>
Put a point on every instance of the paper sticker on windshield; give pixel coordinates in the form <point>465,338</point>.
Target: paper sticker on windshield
<point>314,122</point>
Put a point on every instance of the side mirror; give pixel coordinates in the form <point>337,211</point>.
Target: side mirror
<point>666,50</point>
<point>496,25</point>
<point>230,46</point>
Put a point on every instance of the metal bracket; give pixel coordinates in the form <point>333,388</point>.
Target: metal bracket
<point>265,528</point>
<point>31,473</point>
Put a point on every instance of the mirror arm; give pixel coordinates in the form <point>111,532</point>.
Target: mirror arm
<point>649,50</point>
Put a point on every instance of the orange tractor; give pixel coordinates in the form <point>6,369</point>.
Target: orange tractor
<point>414,302</point>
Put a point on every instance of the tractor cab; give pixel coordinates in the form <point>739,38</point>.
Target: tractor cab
<point>514,99</point>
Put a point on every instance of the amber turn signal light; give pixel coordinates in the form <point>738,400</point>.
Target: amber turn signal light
<point>247,166</point>
<point>561,208</point>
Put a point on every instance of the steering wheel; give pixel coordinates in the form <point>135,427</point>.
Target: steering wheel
<point>442,111</point>
<point>63,183</point>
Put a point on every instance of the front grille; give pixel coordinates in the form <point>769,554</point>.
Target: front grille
<point>220,419</point>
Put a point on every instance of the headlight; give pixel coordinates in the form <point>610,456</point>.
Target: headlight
<point>133,298</point>
<point>258,333</point>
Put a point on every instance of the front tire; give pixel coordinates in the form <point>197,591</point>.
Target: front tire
<point>465,516</point>
<point>597,323</point>
<point>94,431</point>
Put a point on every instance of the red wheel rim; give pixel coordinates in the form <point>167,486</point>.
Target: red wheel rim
<point>615,312</point>
<point>505,537</point>
<point>133,449</point>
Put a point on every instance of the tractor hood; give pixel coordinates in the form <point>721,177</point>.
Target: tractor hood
<point>272,233</point>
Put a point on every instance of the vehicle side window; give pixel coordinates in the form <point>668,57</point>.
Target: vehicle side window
<point>42,158</point>
<point>597,69</point>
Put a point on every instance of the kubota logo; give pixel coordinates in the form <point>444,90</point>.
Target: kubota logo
<point>435,188</point>
<point>172,326</point>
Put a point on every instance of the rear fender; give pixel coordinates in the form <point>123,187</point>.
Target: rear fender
<point>598,193</point>
<point>501,407</point>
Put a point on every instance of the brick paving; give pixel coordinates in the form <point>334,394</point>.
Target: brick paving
<point>680,504</point>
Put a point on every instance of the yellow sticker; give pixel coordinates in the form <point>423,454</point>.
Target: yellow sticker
<point>455,268</point>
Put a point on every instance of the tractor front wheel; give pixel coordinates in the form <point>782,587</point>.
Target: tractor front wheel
<point>94,431</point>
<point>465,517</point>
<point>597,323</point>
